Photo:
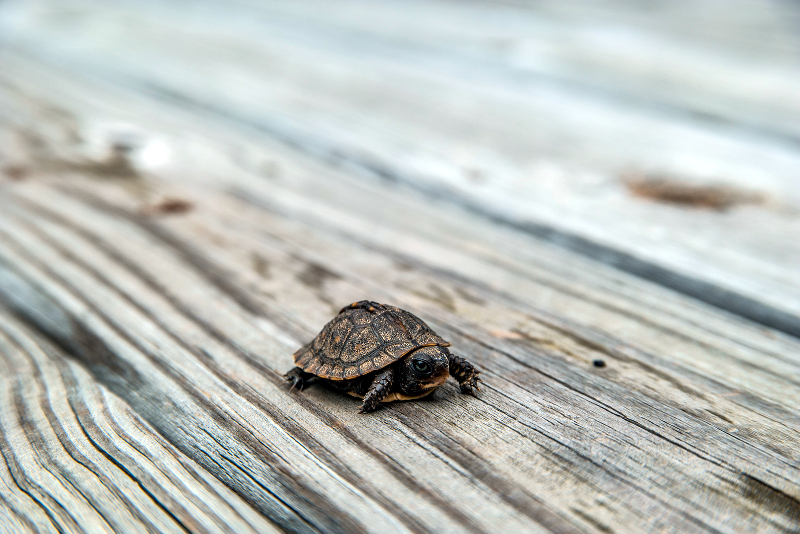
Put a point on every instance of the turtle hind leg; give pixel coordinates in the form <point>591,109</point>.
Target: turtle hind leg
<point>380,388</point>
<point>298,378</point>
<point>369,305</point>
<point>466,374</point>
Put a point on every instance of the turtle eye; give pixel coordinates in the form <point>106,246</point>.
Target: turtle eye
<point>421,366</point>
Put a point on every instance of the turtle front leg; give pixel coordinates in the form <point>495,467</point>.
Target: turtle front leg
<point>368,305</point>
<point>298,378</point>
<point>380,388</point>
<point>465,373</point>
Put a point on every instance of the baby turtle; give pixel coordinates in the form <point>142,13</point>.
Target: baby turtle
<point>381,354</point>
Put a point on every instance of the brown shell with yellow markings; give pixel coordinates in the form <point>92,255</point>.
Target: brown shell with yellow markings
<point>358,341</point>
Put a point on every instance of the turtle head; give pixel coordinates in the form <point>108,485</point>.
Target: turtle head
<point>423,369</point>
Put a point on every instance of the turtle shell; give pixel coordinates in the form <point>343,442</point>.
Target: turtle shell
<point>357,342</point>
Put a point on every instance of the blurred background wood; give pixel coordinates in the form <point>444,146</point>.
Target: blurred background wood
<point>189,194</point>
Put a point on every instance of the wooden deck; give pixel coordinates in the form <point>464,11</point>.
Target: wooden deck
<point>187,195</point>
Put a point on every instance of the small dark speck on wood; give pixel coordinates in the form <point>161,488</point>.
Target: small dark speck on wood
<point>168,206</point>
<point>16,172</point>
<point>674,191</point>
<point>315,275</point>
<point>260,265</point>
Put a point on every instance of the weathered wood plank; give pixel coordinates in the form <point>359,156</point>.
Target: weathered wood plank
<point>190,317</point>
<point>77,459</point>
<point>535,133</point>
<point>153,280</point>
<point>281,456</point>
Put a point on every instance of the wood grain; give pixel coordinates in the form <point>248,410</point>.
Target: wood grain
<point>535,116</point>
<point>141,287</point>
<point>77,459</point>
<point>143,346</point>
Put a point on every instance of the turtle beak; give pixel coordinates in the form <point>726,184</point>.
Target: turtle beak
<point>437,380</point>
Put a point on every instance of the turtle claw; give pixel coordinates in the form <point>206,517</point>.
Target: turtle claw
<point>295,382</point>
<point>471,386</point>
<point>296,378</point>
<point>466,375</point>
<point>378,390</point>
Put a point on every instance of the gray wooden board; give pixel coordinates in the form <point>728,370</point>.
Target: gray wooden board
<point>76,458</point>
<point>166,335</point>
<point>529,114</point>
<point>543,417</point>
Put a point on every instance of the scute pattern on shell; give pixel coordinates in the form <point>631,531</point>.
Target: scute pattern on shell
<point>357,342</point>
